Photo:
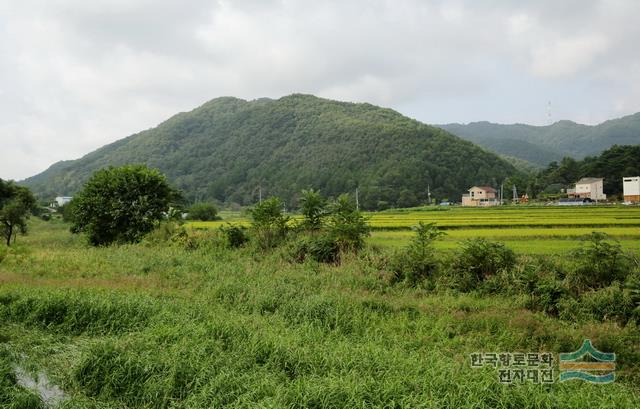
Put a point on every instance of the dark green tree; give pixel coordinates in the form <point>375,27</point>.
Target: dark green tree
<point>16,204</point>
<point>122,204</point>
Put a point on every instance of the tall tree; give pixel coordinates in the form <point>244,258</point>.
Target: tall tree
<point>16,204</point>
<point>122,204</point>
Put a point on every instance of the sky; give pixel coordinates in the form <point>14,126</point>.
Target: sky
<point>77,74</point>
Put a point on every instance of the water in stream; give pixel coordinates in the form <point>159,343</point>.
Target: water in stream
<point>50,393</point>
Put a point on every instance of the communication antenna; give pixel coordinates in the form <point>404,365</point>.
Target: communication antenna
<point>357,200</point>
<point>515,194</point>
<point>549,112</point>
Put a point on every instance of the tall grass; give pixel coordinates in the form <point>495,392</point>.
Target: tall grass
<point>165,326</point>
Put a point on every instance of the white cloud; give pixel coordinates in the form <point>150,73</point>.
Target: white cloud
<point>75,75</point>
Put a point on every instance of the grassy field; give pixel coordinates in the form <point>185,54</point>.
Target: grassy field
<point>161,326</point>
<point>538,230</point>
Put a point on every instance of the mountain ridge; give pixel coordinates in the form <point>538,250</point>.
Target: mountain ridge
<point>543,144</point>
<point>226,148</point>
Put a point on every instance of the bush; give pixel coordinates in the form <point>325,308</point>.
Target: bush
<point>203,211</point>
<point>313,209</point>
<point>321,248</point>
<point>235,236</point>
<point>418,261</point>
<point>164,232</point>
<point>483,258</point>
<point>269,223</point>
<point>547,294</point>
<point>346,224</point>
<point>598,263</point>
<point>121,205</point>
<point>609,303</point>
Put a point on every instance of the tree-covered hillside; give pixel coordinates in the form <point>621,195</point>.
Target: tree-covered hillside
<point>228,149</point>
<point>542,145</point>
<point>612,165</point>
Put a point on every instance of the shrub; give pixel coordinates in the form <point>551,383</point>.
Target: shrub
<point>235,235</point>
<point>483,258</point>
<point>269,223</point>
<point>418,261</point>
<point>346,224</point>
<point>609,303</point>
<point>313,209</point>
<point>547,294</point>
<point>633,287</point>
<point>203,212</point>
<point>164,232</point>
<point>598,263</point>
<point>322,248</point>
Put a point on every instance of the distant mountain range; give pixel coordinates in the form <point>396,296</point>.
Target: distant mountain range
<point>541,145</point>
<point>228,149</point>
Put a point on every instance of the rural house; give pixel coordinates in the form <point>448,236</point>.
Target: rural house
<point>588,188</point>
<point>631,189</point>
<point>480,196</point>
<point>61,201</point>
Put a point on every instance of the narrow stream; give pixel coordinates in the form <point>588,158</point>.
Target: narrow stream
<point>50,393</point>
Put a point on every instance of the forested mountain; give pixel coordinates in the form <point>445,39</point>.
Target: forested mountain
<point>542,145</point>
<point>228,148</point>
<point>612,165</point>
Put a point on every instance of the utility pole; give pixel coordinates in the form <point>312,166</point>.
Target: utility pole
<point>515,195</point>
<point>428,194</point>
<point>260,193</point>
<point>501,191</point>
<point>357,200</point>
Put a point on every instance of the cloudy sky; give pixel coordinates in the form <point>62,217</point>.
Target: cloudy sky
<point>77,74</point>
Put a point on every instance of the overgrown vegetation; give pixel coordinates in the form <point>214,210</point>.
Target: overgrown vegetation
<point>162,324</point>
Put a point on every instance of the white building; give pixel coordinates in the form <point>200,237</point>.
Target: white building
<point>62,200</point>
<point>590,188</point>
<point>631,189</point>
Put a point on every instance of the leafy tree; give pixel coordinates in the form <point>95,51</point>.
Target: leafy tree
<point>121,204</point>
<point>203,212</point>
<point>269,222</point>
<point>313,208</point>
<point>346,224</point>
<point>16,203</point>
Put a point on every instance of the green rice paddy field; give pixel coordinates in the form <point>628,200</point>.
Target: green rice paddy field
<point>536,230</point>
